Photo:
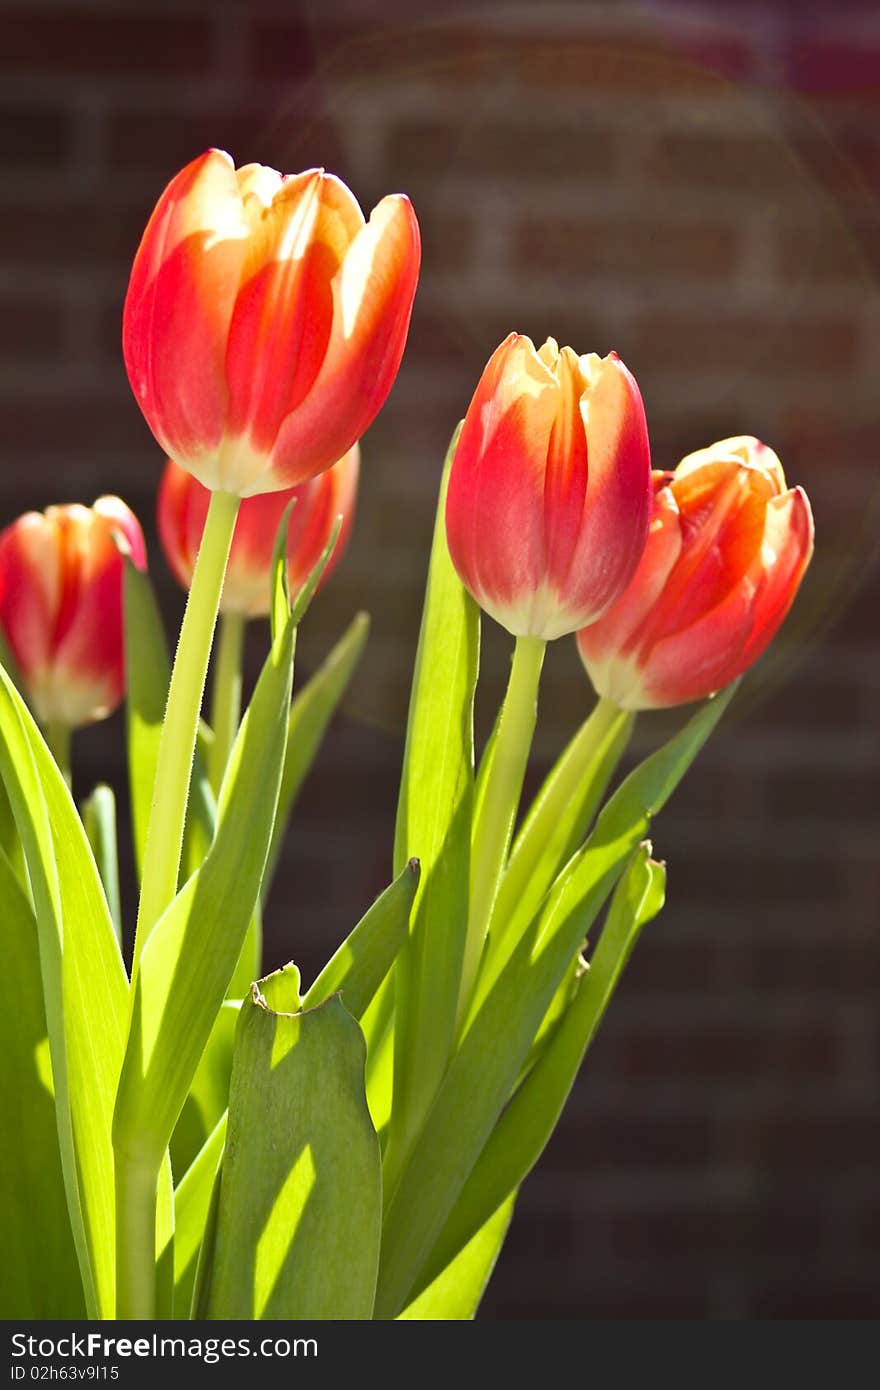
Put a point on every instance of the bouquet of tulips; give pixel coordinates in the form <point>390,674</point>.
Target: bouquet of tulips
<point>199,1134</point>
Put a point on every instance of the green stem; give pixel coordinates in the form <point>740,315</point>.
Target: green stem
<point>58,738</point>
<point>136,1184</point>
<point>545,832</point>
<point>226,695</point>
<point>499,801</point>
<point>178,740</point>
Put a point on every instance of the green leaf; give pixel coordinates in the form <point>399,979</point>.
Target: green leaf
<point>192,1204</point>
<point>148,672</point>
<point>455,1294</point>
<point>301,1190</point>
<point>310,713</point>
<point>189,958</point>
<point>525,1127</point>
<point>85,990</point>
<point>99,820</point>
<point>505,1019</point>
<point>434,826</point>
<point>556,824</point>
<point>363,960</point>
<point>377,1026</point>
<point>280,608</point>
<point>39,1278</point>
<point>209,1094</point>
<point>307,591</point>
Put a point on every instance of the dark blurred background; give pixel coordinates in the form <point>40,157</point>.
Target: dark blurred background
<point>695,185</point>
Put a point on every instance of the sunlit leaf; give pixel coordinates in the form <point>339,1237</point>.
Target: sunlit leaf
<point>299,1213</point>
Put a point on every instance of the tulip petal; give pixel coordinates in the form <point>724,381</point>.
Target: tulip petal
<point>495,503</point>
<point>283,315</point>
<point>786,553</point>
<point>616,631</point>
<point>619,490</point>
<point>30,589</point>
<point>179,304</point>
<point>730,637</point>
<point>372,301</point>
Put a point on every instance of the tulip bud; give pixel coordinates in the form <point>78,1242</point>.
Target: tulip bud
<point>727,549</point>
<point>61,575</point>
<point>550,487</point>
<point>265,320</point>
<point>183,507</point>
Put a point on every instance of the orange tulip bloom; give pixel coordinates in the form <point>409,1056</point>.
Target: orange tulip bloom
<point>550,488</point>
<point>183,507</point>
<point>265,320</point>
<point>61,577</point>
<point>728,547</point>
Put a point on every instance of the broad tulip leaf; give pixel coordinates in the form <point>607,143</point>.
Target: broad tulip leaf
<point>556,823</point>
<point>188,960</point>
<point>209,1093</point>
<point>454,1295</point>
<point>312,709</point>
<point>504,1020</point>
<point>85,989</point>
<point>377,1026</point>
<point>363,960</point>
<point>299,1213</point>
<point>434,825</point>
<point>99,820</point>
<point>522,1132</point>
<point>192,1204</point>
<point>39,1277</point>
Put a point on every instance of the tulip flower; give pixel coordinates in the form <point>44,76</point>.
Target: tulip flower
<point>728,546</point>
<point>550,487</point>
<point>265,320</point>
<point>61,577</point>
<point>183,508</point>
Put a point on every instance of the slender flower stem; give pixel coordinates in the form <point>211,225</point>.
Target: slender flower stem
<point>500,800</point>
<point>164,840</point>
<point>226,695</point>
<point>58,737</point>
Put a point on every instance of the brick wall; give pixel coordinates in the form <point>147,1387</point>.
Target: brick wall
<point>695,185</point>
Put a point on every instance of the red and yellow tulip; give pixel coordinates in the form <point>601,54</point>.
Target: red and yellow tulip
<point>265,320</point>
<point>61,577</point>
<point>728,546</point>
<point>550,487</point>
<point>183,507</point>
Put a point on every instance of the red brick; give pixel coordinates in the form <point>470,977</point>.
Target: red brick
<point>88,419</point>
<point>34,136</point>
<point>353,52</point>
<point>614,1141</point>
<point>718,163</point>
<point>80,41</point>
<point>812,1297</point>
<point>728,1054</point>
<point>632,68</point>
<point>690,1232</point>
<point>823,1142</point>
<point>37,328</point>
<point>78,231</point>
<point>627,247</point>
<point>835,68</point>
<point>164,141</point>
<point>843,965</point>
<point>429,149</point>
<point>682,341</point>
